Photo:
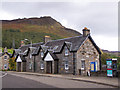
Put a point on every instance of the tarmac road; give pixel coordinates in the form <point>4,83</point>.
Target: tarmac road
<point>12,80</point>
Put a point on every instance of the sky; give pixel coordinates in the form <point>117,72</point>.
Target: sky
<point>100,17</point>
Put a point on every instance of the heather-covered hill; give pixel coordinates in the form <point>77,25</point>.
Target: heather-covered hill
<point>33,29</point>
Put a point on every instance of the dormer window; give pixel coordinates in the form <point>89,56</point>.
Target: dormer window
<point>66,51</point>
<point>30,55</point>
<point>42,54</point>
<point>5,57</point>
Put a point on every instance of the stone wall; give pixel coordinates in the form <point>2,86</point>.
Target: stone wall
<point>62,60</point>
<point>28,61</point>
<point>3,61</point>
<point>23,66</point>
<point>88,53</point>
<point>38,61</point>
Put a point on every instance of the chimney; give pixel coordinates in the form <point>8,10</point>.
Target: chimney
<point>47,38</point>
<point>86,32</point>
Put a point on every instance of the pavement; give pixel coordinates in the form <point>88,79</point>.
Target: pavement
<point>110,81</point>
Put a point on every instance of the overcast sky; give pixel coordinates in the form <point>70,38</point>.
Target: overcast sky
<point>100,17</point>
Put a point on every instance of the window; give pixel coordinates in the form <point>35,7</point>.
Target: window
<point>42,66</point>
<point>94,52</point>
<point>87,55</point>
<point>5,66</point>
<point>66,65</point>
<point>82,65</point>
<point>5,57</point>
<point>30,65</point>
<point>66,51</point>
<point>30,55</point>
<point>42,54</point>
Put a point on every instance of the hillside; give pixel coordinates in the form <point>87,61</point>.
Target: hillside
<point>33,29</point>
<point>116,53</point>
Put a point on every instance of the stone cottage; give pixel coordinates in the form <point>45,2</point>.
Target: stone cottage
<point>4,60</point>
<point>75,55</point>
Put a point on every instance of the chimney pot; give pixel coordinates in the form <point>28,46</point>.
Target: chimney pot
<point>86,31</point>
<point>47,38</point>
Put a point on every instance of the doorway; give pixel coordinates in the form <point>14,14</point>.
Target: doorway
<point>19,66</point>
<point>49,67</point>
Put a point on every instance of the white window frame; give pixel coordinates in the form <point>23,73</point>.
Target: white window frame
<point>96,64</point>
<point>30,65</point>
<point>66,65</point>
<point>42,66</point>
<point>30,55</point>
<point>66,51</point>
<point>82,65</point>
<point>6,57</point>
<point>5,65</point>
<point>87,55</point>
<point>41,54</point>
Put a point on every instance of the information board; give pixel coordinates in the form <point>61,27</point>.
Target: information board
<point>109,64</point>
<point>109,73</point>
<point>109,68</point>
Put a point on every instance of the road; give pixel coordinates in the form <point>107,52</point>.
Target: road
<point>13,80</point>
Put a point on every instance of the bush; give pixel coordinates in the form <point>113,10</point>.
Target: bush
<point>12,64</point>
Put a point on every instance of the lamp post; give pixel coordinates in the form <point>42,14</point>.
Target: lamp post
<point>28,40</point>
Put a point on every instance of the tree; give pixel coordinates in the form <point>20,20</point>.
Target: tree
<point>104,56</point>
<point>12,64</point>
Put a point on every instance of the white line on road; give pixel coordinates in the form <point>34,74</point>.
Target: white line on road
<point>3,75</point>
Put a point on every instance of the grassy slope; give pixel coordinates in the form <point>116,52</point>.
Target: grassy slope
<point>34,30</point>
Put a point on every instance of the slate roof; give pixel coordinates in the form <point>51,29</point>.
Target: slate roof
<point>24,50</point>
<point>55,46</point>
<point>25,47</point>
<point>15,52</point>
<point>73,43</point>
<point>1,54</point>
<point>54,56</point>
<point>37,50</point>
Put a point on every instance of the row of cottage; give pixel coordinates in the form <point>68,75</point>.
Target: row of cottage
<point>74,55</point>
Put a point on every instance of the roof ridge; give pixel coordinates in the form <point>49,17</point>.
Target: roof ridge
<point>32,44</point>
<point>64,38</point>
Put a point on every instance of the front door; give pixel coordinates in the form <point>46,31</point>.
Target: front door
<point>49,67</point>
<point>19,66</point>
